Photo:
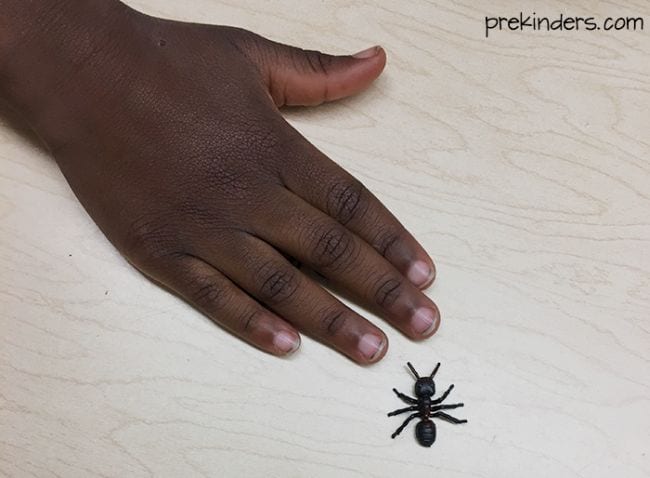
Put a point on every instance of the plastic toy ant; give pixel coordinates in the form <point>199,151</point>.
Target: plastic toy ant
<point>425,408</point>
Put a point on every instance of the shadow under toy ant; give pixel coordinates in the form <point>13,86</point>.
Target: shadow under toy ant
<point>425,408</point>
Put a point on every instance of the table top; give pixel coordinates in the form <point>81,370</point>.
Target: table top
<point>520,161</point>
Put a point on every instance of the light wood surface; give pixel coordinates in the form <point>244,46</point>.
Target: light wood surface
<point>521,162</point>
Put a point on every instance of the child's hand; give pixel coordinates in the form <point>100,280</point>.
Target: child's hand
<point>169,133</point>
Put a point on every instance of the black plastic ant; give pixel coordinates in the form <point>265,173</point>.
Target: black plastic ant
<point>425,408</point>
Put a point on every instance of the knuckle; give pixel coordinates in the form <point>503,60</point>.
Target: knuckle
<point>333,248</point>
<point>345,200</point>
<point>388,291</point>
<point>385,241</point>
<point>148,240</point>
<point>316,61</point>
<point>249,321</point>
<point>332,322</point>
<point>277,283</point>
<point>208,293</point>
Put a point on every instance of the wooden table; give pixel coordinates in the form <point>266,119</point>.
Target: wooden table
<point>522,163</point>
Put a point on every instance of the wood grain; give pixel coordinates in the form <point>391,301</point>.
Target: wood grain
<point>522,163</point>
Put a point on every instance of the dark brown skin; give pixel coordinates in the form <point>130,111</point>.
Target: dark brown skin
<point>170,135</point>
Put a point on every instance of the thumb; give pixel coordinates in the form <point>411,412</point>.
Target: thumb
<point>295,76</point>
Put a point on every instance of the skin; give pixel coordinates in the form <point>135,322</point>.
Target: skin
<point>170,135</point>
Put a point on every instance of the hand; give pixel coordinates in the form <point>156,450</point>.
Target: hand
<point>169,134</point>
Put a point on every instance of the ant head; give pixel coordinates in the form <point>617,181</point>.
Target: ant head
<point>424,386</point>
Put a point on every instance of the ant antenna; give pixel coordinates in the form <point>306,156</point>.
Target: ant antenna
<point>412,369</point>
<point>435,370</point>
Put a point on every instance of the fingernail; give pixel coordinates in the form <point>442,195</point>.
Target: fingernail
<point>368,53</point>
<point>424,320</point>
<point>370,346</point>
<point>286,342</point>
<point>419,273</point>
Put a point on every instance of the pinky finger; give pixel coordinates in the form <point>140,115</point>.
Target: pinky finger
<point>209,291</point>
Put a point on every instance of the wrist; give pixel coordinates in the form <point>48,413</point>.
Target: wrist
<point>27,22</point>
<point>52,50</point>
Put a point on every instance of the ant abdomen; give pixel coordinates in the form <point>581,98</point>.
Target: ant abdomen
<point>425,432</point>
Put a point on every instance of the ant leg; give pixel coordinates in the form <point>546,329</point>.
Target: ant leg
<point>444,395</point>
<point>435,408</point>
<point>448,418</point>
<point>403,425</point>
<point>402,410</point>
<point>406,398</point>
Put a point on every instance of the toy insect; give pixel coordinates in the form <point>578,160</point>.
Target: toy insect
<point>425,408</point>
